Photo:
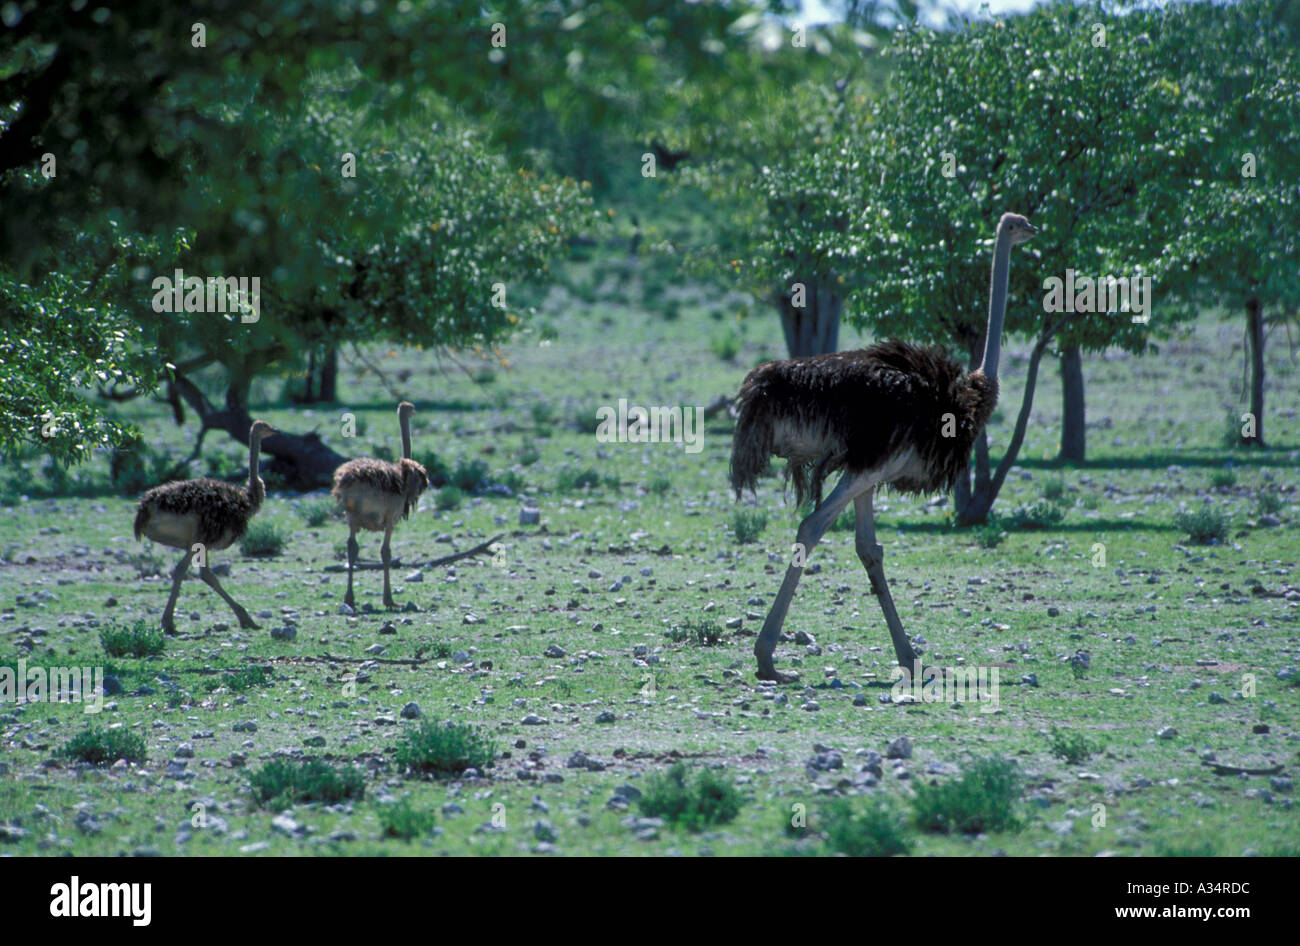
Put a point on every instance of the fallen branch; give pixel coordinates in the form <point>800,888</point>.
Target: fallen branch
<point>1221,769</point>
<point>436,563</point>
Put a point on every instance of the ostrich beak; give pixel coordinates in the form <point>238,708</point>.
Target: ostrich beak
<point>1031,228</point>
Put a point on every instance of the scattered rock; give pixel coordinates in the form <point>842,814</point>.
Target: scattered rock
<point>899,748</point>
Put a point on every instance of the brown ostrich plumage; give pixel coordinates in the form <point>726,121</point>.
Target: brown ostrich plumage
<point>851,411</point>
<point>220,510</point>
<point>403,480</point>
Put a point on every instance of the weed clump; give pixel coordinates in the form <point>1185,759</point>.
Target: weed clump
<point>982,799</point>
<point>134,640</point>
<point>695,804</point>
<point>104,746</point>
<point>434,749</point>
<point>281,783</point>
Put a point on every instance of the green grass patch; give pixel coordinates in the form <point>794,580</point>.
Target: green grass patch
<point>1203,525</point>
<point>747,525</point>
<point>133,640</point>
<point>982,799</point>
<point>442,749</point>
<point>263,539</point>
<point>283,782</point>
<point>876,829</point>
<point>695,804</point>
<point>404,821</point>
<point>104,746</point>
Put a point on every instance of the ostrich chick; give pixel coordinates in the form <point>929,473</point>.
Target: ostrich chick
<point>202,516</point>
<point>375,494</point>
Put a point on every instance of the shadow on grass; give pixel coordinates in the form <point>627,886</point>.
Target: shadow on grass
<point>1276,455</point>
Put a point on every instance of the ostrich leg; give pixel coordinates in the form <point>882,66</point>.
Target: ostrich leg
<point>178,575</point>
<point>873,556</point>
<point>810,533</point>
<point>386,552</point>
<point>353,552</point>
<point>210,579</point>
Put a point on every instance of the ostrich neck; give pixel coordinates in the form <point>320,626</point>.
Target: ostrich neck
<point>997,305</point>
<point>256,491</point>
<point>406,438</point>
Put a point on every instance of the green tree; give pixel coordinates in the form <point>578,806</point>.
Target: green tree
<point>1240,241</point>
<point>210,130</point>
<point>1059,114</point>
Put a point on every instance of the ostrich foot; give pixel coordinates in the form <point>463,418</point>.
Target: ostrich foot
<point>168,625</point>
<point>246,621</point>
<point>769,672</point>
<point>390,603</point>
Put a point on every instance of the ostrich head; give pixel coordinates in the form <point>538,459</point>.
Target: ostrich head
<point>260,430</point>
<point>1017,228</point>
<point>405,410</point>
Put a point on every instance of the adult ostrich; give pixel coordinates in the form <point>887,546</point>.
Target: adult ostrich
<point>891,415</point>
<point>375,494</point>
<point>202,516</point>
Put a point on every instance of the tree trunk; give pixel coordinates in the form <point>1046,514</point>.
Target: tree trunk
<point>975,510</point>
<point>302,460</point>
<point>1073,435</point>
<point>1255,334</point>
<point>320,383</point>
<point>328,390</point>
<point>814,327</point>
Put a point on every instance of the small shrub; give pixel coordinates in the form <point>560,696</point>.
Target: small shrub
<point>282,782</point>
<point>529,455</point>
<point>1223,479</point>
<point>432,749</point>
<point>317,512</point>
<point>247,677</point>
<point>989,535</point>
<point>435,467</point>
<point>542,413</point>
<point>135,640</point>
<point>104,746</point>
<point>983,798</point>
<point>510,480</point>
<point>263,538</point>
<point>704,633</point>
<point>748,525</point>
<point>659,485</point>
<point>404,821</point>
<point>709,799</point>
<point>449,498</point>
<point>470,475</point>
<point>726,345</point>
<point>1268,503</point>
<point>1203,525</point>
<point>1054,489</point>
<point>569,480</point>
<point>1073,747</point>
<point>878,830</point>
<point>1041,514</point>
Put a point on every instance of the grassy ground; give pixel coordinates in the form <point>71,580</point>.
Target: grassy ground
<point>582,615</point>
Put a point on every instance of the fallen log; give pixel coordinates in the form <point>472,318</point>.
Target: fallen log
<point>436,563</point>
<point>1222,769</point>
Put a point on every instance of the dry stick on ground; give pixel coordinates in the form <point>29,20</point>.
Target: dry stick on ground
<point>437,562</point>
<point>1221,769</point>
